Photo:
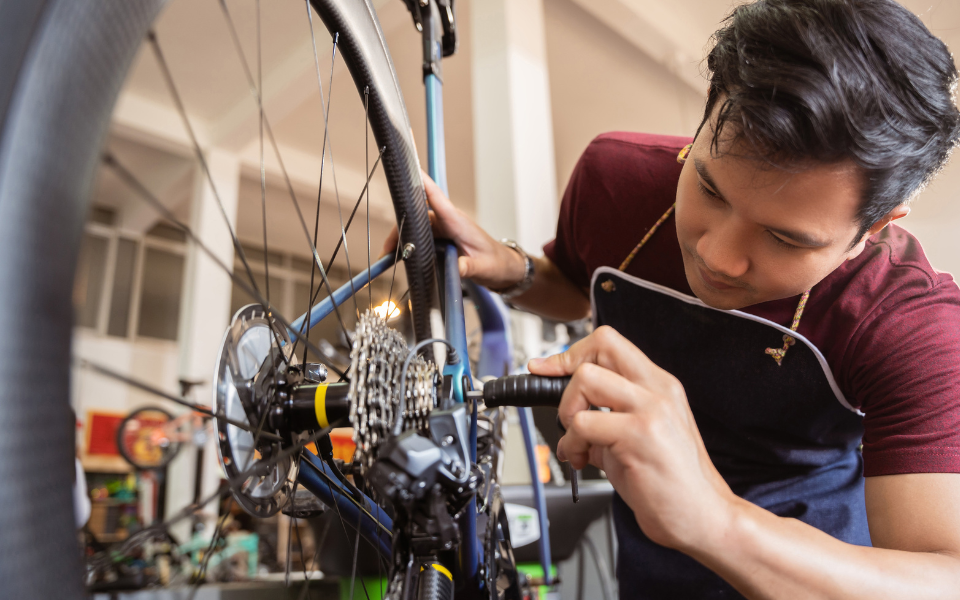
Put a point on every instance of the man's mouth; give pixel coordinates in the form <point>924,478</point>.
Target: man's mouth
<point>714,283</point>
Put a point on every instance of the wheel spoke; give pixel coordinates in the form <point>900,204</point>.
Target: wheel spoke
<point>403,297</point>
<point>286,571</point>
<point>263,171</point>
<point>325,105</point>
<point>168,78</point>
<point>346,536</point>
<point>232,484</point>
<point>146,387</point>
<point>263,191</point>
<point>202,573</point>
<point>366,169</point>
<point>356,550</point>
<point>356,206</point>
<point>148,197</point>
<point>335,489</point>
<point>145,534</point>
<point>276,149</point>
<point>262,465</point>
<point>318,543</point>
<point>393,276</point>
<point>257,434</point>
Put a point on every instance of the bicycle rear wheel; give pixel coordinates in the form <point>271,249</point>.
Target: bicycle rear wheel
<point>61,68</point>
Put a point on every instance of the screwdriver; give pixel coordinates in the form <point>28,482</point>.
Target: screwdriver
<point>527,391</point>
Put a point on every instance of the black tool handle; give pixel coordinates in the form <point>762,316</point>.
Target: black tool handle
<point>530,390</point>
<point>524,390</point>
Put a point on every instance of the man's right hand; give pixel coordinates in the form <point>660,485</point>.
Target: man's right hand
<point>482,258</point>
<point>496,267</point>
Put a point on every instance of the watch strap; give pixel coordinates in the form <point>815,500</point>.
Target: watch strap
<point>528,274</point>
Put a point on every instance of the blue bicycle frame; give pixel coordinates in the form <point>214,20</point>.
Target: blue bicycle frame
<point>495,360</point>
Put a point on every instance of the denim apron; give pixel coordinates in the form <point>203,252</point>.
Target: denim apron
<point>782,436</point>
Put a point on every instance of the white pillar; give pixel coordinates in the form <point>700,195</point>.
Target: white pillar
<point>205,314</point>
<point>513,132</point>
<point>512,122</point>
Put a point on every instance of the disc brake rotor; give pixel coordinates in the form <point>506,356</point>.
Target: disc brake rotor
<point>249,356</point>
<point>376,362</point>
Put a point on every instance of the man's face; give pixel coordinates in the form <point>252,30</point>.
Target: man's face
<point>750,233</point>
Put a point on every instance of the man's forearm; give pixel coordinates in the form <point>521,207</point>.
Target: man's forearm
<point>766,556</point>
<point>552,295</point>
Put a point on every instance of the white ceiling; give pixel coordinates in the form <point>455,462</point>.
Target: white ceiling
<point>602,77</point>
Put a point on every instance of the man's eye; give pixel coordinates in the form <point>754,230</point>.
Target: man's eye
<point>782,243</point>
<point>705,190</point>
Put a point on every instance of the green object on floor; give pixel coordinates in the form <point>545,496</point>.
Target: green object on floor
<point>535,571</point>
<point>376,588</point>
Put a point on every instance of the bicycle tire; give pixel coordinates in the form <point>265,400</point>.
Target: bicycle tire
<point>168,454</point>
<point>63,64</point>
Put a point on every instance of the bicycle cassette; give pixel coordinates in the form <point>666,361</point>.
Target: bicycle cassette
<point>252,354</point>
<point>376,362</point>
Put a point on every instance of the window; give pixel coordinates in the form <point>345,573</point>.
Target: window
<point>89,279</point>
<point>160,294</point>
<point>126,265</point>
<point>127,285</point>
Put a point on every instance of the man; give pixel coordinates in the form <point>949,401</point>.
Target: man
<point>775,320</point>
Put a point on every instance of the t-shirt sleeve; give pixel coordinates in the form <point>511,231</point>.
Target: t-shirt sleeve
<point>910,384</point>
<point>562,250</point>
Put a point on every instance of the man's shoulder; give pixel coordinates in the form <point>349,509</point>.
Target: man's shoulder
<point>901,359</point>
<point>888,297</point>
<point>642,140</point>
<point>622,184</point>
<point>611,148</point>
<point>635,169</point>
<point>893,269</point>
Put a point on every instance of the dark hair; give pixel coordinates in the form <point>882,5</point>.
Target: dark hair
<point>827,81</point>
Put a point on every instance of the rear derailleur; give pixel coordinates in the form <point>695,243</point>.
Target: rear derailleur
<point>429,479</point>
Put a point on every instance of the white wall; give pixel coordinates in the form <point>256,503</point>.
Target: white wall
<point>599,82</point>
<point>935,220</point>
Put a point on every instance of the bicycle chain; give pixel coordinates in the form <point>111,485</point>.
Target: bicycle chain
<point>376,360</point>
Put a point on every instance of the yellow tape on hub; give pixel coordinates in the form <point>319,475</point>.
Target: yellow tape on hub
<point>441,569</point>
<point>320,405</point>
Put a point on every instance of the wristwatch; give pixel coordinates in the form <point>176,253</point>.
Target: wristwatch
<point>524,284</point>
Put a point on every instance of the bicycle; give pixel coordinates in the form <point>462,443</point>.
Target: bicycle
<point>430,457</point>
<point>149,438</point>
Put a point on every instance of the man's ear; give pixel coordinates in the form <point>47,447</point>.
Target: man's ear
<point>897,213</point>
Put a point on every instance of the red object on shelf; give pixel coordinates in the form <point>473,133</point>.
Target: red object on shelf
<point>343,446</point>
<point>102,433</point>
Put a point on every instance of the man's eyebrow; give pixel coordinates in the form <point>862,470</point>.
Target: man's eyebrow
<point>701,168</point>
<point>799,237</point>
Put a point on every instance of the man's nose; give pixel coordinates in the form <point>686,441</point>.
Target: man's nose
<point>722,250</point>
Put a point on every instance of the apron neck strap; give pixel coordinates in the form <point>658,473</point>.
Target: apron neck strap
<point>789,340</point>
<point>633,253</point>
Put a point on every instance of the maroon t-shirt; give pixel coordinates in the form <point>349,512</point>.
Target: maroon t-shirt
<point>887,322</point>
